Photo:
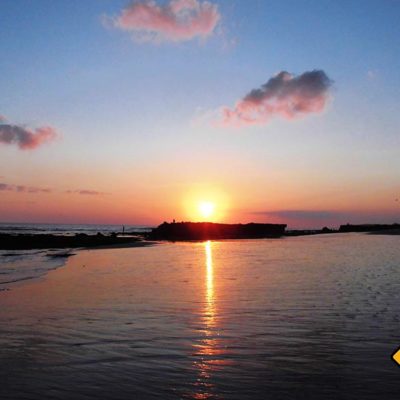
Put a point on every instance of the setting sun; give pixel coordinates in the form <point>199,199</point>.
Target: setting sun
<point>206,209</point>
<point>205,203</point>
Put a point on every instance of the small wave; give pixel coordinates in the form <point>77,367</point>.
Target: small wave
<point>22,266</point>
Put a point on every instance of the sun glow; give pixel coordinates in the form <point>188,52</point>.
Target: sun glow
<point>205,203</point>
<point>206,209</point>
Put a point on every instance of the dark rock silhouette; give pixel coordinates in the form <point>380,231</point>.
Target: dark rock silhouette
<point>307,232</point>
<point>208,230</point>
<point>368,227</point>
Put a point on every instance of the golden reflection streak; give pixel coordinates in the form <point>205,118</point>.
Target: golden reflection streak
<point>207,348</point>
<point>210,309</point>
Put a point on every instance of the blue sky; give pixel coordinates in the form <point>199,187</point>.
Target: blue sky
<point>121,105</point>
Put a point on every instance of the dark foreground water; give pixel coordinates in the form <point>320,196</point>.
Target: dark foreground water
<point>295,318</point>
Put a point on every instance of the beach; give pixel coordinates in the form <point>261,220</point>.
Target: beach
<point>297,318</point>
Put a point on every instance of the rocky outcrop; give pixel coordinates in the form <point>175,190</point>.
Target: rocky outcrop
<point>208,230</point>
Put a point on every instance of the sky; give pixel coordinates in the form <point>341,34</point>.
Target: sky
<point>137,112</point>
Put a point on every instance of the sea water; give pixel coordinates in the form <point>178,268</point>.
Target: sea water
<point>68,229</point>
<point>314,317</point>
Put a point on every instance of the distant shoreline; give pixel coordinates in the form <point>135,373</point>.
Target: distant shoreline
<point>49,241</point>
<point>393,232</point>
<point>183,231</point>
<point>142,243</point>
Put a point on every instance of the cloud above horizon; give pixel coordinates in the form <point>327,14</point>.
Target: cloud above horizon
<point>22,188</point>
<point>25,138</point>
<point>284,95</point>
<point>87,192</point>
<point>6,187</point>
<point>301,214</point>
<point>176,21</point>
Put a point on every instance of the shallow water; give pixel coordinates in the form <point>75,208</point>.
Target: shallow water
<point>19,266</point>
<point>295,318</point>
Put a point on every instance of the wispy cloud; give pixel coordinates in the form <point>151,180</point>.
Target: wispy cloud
<point>6,187</point>
<point>175,21</point>
<point>284,95</point>
<point>301,214</point>
<point>22,188</point>
<point>87,192</point>
<point>25,138</point>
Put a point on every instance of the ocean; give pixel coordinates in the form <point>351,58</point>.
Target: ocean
<point>313,317</point>
<point>68,229</point>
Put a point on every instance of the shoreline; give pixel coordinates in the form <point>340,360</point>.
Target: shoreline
<point>22,267</point>
<point>122,245</point>
<point>18,242</point>
<point>51,241</point>
<point>392,232</point>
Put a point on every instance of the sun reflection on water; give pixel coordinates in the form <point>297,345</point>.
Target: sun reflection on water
<point>210,309</point>
<point>208,349</point>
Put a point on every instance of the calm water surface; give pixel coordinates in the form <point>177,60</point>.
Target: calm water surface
<point>295,318</point>
<point>68,229</point>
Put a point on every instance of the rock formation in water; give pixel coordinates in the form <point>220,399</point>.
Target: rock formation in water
<point>209,230</point>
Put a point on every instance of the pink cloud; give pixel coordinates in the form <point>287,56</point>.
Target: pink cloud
<point>283,95</point>
<point>24,138</point>
<point>178,20</point>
